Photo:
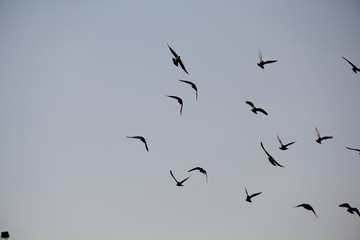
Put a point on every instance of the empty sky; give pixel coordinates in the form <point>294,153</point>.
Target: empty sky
<point>77,77</point>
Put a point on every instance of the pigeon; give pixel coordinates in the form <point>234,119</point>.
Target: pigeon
<point>271,159</point>
<point>284,147</point>
<point>179,100</point>
<point>307,207</point>
<point>354,68</point>
<point>262,63</point>
<point>192,85</point>
<point>350,209</point>
<point>255,109</point>
<point>177,60</point>
<point>142,139</point>
<point>179,184</point>
<point>354,149</point>
<point>248,198</point>
<point>321,138</point>
<point>200,170</point>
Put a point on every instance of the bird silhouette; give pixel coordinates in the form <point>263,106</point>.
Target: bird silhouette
<point>200,170</point>
<point>271,159</point>
<point>177,60</point>
<point>180,101</point>
<point>142,139</point>
<point>354,149</point>
<point>262,63</point>
<point>350,209</point>
<point>307,207</point>
<point>284,147</point>
<point>249,197</point>
<point>192,85</point>
<point>321,138</point>
<point>354,68</point>
<point>255,109</point>
<point>179,184</point>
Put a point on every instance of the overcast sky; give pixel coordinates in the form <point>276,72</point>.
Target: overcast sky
<point>77,77</point>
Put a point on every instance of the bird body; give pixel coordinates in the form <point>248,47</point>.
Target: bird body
<point>354,68</point>
<point>201,170</point>
<point>284,146</point>
<point>320,139</point>
<point>350,209</point>
<point>262,63</point>
<point>141,138</point>
<point>180,101</point>
<point>177,60</point>
<point>255,109</point>
<point>179,184</point>
<point>249,197</point>
<point>307,207</point>
<point>271,159</point>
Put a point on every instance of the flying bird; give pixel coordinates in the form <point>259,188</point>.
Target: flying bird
<point>249,197</point>
<point>307,207</point>
<point>179,184</point>
<point>271,159</point>
<point>354,149</point>
<point>141,139</point>
<point>262,63</point>
<point>350,209</point>
<point>255,109</point>
<point>200,170</point>
<point>192,85</point>
<point>321,138</point>
<point>284,147</point>
<point>180,101</point>
<point>177,60</point>
<point>354,68</point>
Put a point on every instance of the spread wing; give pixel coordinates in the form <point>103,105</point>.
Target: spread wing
<point>278,138</point>
<point>270,61</point>
<point>317,132</point>
<point>354,149</point>
<point>173,176</point>
<point>173,52</point>
<point>264,149</point>
<point>346,205</point>
<point>326,137</point>
<point>182,66</point>
<point>290,144</point>
<point>262,110</point>
<point>250,103</point>
<point>184,180</point>
<point>195,168</point>
<point>349,62</point>
<point>255,194</point>
<point>260,56</point>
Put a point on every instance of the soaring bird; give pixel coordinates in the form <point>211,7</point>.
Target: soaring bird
<point>177,60</point>
<point>179,184</point>
<point>350,209</point>
<point>200,170</point>
<point>354,149</point>
<point>141,139</point>
<point>255,109</point>
<point>248,198</point>
<point>307,207</point>
<point>284,147</point>
<point>321,138</point>
<point>192,85</point>
<point>262,63</point>
<point>179,100</point>
<point>354,68</point>
<point>271,159</point>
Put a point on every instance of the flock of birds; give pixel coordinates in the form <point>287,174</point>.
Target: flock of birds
<point>178,62</point>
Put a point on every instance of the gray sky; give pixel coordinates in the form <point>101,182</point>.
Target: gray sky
<point>77,77</point>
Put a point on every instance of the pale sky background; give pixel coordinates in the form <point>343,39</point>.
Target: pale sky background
<point>77,77</point>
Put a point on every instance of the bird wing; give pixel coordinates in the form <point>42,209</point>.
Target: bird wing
<point>246,192</point>
<point>250,103</point>
<point>181,109</point>
<point>346,205</point>
<point>349,62</point>
<point>355,149</point>
<point>317,132</point>
<point>326,137</point>
<point>290,144</point>
<point>301,205</point>
<point>173,176</point>
<point>195,168</point>
<point>175,97</point>
<point>182,66</point>
<point>356,210</point>
<point>262,110</point>
<point>172,51</point>
<point>146,146</point>
<point>314,212</point>
<point>260,56</point>
<point>270,61</point>
<point>278,138</point>
<point>184,180</point>
<point>255,194</point>
<point>264,149</point>
<point>277,164</point>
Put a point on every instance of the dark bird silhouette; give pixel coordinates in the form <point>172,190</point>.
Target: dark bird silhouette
<point>354,149</point>
<point>179,184</point>
<point>200,170</point>
<point>350,209</point>
<point>255,109</point>
<point>321,138</point>
<point>249,197</point>
<point>192,85</point>
<point>141,139</point>
<point>354,68</point>
<point>262,63</point>
<point>307,207</point>
<point>177,60</point>
<point>271,159</point>
<point>180,101</point>
<point>284,147</point>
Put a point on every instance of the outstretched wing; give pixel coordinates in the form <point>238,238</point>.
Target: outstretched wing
<point>357,211</point>
<point>173,176</point>
<point>195,168</point>
<point>346,205</point>
<point>182,66</point>
<point>262,110</point>
<point>354,149</point>
<point>184,180</point>
<point>255,194</point>
<point>250,103</point>
<point>290,144</point>
<point>270,61</point>
<point>349,62</point>
<point>317,132</point>
<point>264,149</point>
<point>173,52</point>
<point>326,137</point>
<point>278,138</point>
<point>260,56</point>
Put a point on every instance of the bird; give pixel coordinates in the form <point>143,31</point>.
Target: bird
<point>321,138</point>
<point>354,68</point>
<point>179,100</point>
<point>349,208</point>
<point>177,60</point>
<point>271,159</point>
<point>255,109</point>
<point>179,184</point>
<point>248,198</point>
<point>141,139</point>
<point>354,149</point>
<point>262,63</point>
<point>192,85</point>
<point>307,207</point>
<point>200,170</point>
<point>284,147</point>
